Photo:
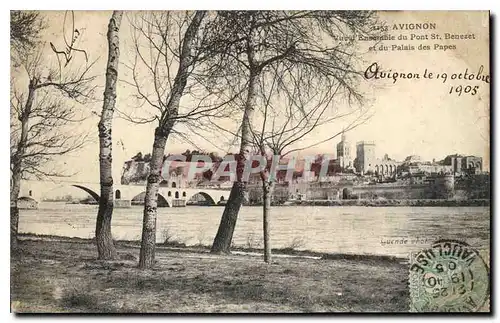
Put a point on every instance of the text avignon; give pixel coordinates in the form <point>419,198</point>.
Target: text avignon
<point>414,26</point>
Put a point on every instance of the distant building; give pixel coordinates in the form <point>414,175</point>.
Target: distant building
<point>412,159</point>
<point>175,178</point>
<point>429,169</point>
<point>386,167</point>
<point>365,156</point>
<point>414,165</point>
<point>344,158</point>
<point>464,164</point>
<point>367,163</point>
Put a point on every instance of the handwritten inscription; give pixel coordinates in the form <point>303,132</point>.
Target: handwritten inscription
<point>374,72</point>
<point>404,240</point>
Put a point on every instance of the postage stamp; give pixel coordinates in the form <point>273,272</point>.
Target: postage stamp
<point>450,276</point>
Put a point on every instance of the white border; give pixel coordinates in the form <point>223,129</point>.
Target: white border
<point>254,4</point>
<point>200,4</point>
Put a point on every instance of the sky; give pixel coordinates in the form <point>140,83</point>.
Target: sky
<point>410,117</point>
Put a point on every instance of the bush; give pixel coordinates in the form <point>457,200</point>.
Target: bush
<point>166,236</point>
<point>296,243</point>
<point>253,242</point>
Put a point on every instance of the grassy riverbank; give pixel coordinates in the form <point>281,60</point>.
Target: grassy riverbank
<point>62,275</point>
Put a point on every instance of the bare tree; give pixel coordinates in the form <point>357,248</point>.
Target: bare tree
<point>165,46</point>
<point>25,27</point>
<point>170,54</point>
<point>104,239</point>
<point>43,104</point>
<point>293,106</point>
<point>309,40</point>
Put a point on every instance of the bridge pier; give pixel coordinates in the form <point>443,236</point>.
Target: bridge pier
<point>122,203</point>
<point>177,203</point>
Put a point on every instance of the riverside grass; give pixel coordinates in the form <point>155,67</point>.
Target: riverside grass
<point>53,276</point>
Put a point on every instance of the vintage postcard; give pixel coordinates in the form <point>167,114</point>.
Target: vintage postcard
<point>250,161</point>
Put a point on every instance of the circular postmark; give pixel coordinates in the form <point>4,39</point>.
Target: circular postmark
<point>450,276</point>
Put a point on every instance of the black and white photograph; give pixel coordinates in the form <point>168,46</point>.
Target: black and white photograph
<point>250,161</point>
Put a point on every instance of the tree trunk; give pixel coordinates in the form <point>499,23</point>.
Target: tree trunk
<point>104,239</point>
<point>148,240</point>
<point>267,190</point>
<point>167,122</point>
<point>16,164</point>
<point>14,210</point>
<point>222,241</point>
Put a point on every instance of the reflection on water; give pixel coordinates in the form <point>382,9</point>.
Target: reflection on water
<point>361,230</point>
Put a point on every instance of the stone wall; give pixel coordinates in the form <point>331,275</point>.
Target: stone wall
<point>473,187</point>
<point>280,193</point>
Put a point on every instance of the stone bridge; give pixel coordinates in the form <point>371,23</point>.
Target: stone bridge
<point>124,194</point>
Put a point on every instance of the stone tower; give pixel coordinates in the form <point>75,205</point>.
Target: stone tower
<point>344,152</point>
<point>365,155</point>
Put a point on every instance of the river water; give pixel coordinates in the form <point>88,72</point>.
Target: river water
<point>392,231</point>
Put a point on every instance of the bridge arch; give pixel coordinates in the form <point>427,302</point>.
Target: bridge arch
<point>39,191</point>
<point>162,201</point>
<point>211,200</point>
<point>346,193</point>
<point>139,200</point>
<point>89,191</point>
